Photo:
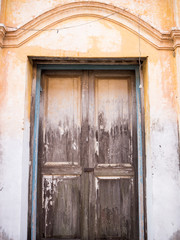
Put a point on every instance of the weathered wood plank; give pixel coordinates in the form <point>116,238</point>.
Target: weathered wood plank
<point>62,170</point>
<point>61,239</point>
<point>84,157</point>
<point>92,149</point>
<point>123,170</point>
<point>91,114</point>
<point>35,157</point>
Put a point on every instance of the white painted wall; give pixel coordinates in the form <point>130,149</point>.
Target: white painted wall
<point>15,154</point>
<point>163,169</point>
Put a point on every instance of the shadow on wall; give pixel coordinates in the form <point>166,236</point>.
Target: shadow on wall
<point>3,235</point>
<point>176,236</point>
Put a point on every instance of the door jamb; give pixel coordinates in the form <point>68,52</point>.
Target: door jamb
<point>41,67</point>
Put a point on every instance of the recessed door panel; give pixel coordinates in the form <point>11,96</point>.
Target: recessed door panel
<point>61,209</point>
<point>113,120</point>
<point>61,119</point>
<point>114,208</point>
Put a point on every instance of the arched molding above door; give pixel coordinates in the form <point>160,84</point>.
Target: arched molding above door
<point>160,40</point>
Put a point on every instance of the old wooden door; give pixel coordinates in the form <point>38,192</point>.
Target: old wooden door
<point>87,184</point>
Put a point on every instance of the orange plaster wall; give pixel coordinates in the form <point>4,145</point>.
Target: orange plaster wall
<point>2,11</point>
<point>157,13</point>
<point>100,39</point>
<point>178,12</point>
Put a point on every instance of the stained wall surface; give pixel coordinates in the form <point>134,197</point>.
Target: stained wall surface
<point>136,29</point>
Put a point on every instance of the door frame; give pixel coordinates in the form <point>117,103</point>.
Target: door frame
<point>140,137</point>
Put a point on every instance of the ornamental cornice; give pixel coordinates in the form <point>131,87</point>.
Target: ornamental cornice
<point>175,35</point>
<point>10,38</point>
<point>2,34</point>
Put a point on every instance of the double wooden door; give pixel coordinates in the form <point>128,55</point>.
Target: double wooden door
<point>87,181</point>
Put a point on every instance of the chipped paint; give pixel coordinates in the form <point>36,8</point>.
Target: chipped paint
<point>109,177</point>
<point>99,39</point>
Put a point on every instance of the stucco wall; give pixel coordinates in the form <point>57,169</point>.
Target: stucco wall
<point>102,38</point>
<point>161,14</point>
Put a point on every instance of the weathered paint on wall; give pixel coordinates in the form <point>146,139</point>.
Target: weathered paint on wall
<point>162,153</point>
<point>102,38</point>
<point>161,14</point>
<point>177,68</point>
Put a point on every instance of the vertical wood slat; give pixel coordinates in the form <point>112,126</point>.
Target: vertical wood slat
<point>92,146</point>
<point>35,156</point>
<point>135,155</point>
<point>84,157</point>
<point>140,156</point>
<point>91,106</point>
<point>40,228</point>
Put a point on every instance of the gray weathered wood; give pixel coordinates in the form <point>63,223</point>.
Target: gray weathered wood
<point>84,157</point>
<point>115,203</point>
<point>59,156</point>
<point>88,156</point>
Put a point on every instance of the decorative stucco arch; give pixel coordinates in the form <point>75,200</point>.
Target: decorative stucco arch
<point>160,40</point>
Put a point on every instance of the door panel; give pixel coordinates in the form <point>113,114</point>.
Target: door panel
<point>61,206</point>
<point>62,119</point>
<point>114,208</point>
<point>114,180</point>
<point>87,183</point>
<point>60,170</point>
<point>113,120</point>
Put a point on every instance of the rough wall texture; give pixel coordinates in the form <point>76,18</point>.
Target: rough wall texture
<point>160,16</point>
<point>102,38</point>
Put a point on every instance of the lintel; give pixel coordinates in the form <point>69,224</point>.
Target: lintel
<point>61,62</point>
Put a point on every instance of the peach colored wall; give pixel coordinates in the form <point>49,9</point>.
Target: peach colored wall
<point>102,38</point>
<point>158,13</point>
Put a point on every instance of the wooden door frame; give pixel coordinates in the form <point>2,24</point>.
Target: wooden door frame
<point>140,137</point>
